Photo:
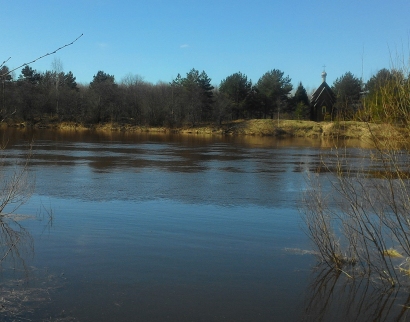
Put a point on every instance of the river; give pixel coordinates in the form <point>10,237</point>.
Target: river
<point>156,227</point>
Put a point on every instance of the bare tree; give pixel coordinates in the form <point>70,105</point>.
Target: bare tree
<point>58,75</point>
<point>357,207</point>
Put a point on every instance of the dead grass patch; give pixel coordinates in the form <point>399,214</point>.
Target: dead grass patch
<point>392,253</point>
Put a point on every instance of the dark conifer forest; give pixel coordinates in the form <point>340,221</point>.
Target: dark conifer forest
<point>34,96</point>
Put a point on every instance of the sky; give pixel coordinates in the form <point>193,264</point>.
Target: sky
<point>157,39</point>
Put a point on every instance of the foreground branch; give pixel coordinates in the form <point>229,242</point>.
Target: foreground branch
<point>48,54</point>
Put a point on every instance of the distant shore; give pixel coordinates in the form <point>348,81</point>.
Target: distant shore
<point>255,127</point>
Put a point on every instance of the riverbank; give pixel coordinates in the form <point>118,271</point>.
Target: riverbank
<point>255,127</point>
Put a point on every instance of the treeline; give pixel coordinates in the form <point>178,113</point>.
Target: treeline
<point>191,99</point>
<point>34,96</point>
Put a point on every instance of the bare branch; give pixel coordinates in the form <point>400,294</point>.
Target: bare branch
<point>48,54</point>
<point>2,64</point>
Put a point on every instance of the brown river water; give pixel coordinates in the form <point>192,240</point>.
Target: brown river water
<point>156,227</point>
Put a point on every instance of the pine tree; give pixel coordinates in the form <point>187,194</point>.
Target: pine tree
<point>300,103</point>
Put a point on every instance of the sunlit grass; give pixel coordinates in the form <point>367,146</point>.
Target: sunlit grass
<point>392,253</point>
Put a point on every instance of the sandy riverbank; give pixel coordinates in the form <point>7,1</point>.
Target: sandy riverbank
<point>256,127</point>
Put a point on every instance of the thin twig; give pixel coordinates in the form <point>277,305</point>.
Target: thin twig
<point>48,54</point>
<point>5,62</point>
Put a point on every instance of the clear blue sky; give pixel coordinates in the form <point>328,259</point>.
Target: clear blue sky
<point>157,39</point>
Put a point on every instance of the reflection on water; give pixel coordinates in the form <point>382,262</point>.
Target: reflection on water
<point>24,289</point>
<point>175,228</point>
<point>16,243</point>
<point>332,296</point>
<point>200,169</point>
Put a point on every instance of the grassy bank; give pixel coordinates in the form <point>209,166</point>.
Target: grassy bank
<point>256,127</point>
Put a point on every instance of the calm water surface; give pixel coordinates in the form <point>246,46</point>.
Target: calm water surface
<point>168,228</point>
